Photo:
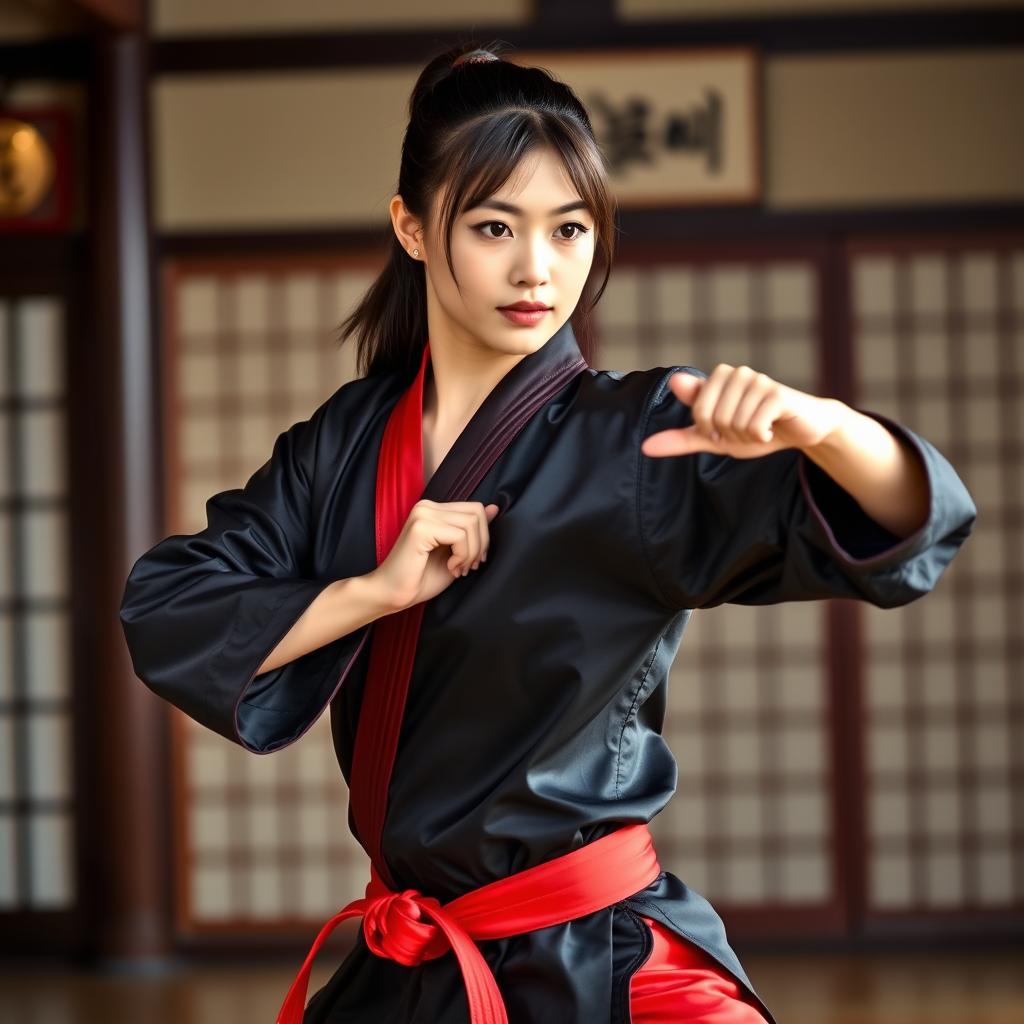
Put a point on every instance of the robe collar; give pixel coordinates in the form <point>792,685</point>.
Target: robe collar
<point>545,370</point>
<point>506,410</point>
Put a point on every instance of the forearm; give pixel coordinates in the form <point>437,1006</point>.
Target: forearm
<point>339,609</point>
<point>879,470</point>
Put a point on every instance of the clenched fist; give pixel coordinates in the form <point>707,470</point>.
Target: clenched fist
<point>439,542</point>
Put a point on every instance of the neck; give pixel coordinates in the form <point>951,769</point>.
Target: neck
<point>460,376</point>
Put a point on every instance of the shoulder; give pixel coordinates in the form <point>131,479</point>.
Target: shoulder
<point>338,423</point>
<point>361,398</point>
<point>353,403</point>
<point>640,392</point>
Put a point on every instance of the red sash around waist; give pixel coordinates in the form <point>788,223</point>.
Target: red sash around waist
<point>409,927</point>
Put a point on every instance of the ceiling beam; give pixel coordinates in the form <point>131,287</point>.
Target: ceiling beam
<point>117,14</point>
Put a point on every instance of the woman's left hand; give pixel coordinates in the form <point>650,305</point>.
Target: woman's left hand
<point>745,414</point>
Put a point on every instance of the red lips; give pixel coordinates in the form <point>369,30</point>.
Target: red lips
<point>526,306</point>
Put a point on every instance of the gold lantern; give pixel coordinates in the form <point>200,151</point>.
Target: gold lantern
<point>27,167</point>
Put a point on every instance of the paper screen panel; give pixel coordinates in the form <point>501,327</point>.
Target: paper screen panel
<point>265,840</point>
<point>748,708</point>
<point>37,799</point>
<point>940,335</point>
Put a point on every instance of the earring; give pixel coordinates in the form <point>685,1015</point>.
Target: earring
<point>416,252</point>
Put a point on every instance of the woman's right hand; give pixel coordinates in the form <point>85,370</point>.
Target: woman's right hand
<point>439,542</point>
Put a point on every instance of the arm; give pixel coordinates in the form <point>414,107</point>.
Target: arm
<point>878,468</point>
<point>203,613</point>
<point>767,523</point>
<point>339,609</point>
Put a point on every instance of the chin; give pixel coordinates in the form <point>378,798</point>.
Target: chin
<point>522,345</point>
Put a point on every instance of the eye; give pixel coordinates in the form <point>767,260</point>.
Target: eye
<point>483,229</point>
<point>579,234</point>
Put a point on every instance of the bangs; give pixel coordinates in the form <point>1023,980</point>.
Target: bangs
<point>489,151</point>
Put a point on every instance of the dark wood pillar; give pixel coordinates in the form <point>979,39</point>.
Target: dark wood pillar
<point>130,847</point>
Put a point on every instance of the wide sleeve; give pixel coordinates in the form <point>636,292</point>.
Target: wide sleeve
<point>202,611</point>
<point>715,529</point>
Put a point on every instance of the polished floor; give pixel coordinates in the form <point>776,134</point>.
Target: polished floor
<point>969,987</point>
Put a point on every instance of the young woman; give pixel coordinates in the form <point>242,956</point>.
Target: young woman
<point>482,554</point>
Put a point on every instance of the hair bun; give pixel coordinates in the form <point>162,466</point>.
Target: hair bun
<point>478,56</point>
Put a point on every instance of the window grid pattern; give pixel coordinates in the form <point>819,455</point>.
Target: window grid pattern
<point>750,825</point>
<point>37,841</point>
<point>939,331</point>
<point>263,840</point>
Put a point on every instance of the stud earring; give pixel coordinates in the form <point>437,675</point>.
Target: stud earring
<point>416,252</point>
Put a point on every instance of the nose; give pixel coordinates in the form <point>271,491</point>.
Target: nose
<point>532,264</point>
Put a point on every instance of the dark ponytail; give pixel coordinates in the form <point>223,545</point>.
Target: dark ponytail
<point>472,117</point>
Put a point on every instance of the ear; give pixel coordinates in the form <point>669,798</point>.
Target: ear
<point>407,227</point>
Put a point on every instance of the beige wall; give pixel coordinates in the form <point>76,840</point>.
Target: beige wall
<point>322,149</point>
<point>285,150</point>
<point>859,129</point>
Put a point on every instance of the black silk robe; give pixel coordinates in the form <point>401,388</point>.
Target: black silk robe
<point>539,689</point>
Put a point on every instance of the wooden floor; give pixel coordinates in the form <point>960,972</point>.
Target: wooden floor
<point>970,987</point>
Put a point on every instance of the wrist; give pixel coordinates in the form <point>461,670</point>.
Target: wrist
<point>838,418</point>
<point>378,596</point>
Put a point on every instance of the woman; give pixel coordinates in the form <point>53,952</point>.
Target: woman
<point>483,554</point>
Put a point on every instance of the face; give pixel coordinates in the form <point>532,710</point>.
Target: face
<point>529,241</point>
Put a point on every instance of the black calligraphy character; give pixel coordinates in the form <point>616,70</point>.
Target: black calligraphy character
<point>699,130</point>
<point>625,136</point>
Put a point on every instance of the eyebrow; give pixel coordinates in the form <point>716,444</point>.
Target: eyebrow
<point>497,204</point>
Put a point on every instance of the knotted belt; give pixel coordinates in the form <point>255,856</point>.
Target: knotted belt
<point>409,927</point>
<point>404,924</point>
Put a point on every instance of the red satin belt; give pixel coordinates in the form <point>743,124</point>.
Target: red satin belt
<point>409,927</point>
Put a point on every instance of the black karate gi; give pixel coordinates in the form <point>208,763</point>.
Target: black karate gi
<point>539,689</point>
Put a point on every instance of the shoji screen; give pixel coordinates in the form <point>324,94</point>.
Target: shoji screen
<point>939,338</point>
<point>37,811</point>
<point>793,739</point>
<point>263,841</point>
<point>751,824</point>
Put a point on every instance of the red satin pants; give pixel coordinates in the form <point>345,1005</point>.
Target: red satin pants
<point>681,984</point>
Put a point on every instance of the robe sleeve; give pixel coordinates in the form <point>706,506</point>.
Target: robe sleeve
<point>715,529</point>
<point>201,612</point>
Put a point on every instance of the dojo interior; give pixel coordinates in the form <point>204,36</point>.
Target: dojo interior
<point>831,191</point>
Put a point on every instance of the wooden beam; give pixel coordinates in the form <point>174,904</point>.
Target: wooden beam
<point>118,14</point>
<point>873,32</point>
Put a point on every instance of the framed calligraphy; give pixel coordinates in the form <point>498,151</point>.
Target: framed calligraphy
<point>677,126</point>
